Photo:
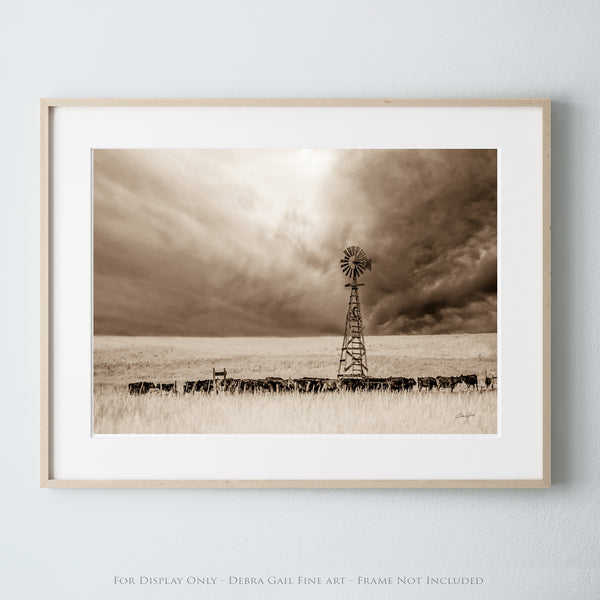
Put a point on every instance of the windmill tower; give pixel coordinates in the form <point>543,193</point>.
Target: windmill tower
<point>353,359</point>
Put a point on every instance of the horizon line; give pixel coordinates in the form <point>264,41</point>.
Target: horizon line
<point>341,335</point>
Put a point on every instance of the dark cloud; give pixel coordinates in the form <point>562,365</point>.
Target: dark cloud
<point>247,242</point>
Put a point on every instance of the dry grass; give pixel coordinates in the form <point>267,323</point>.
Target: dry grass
<point>345,412</point>
<point>120,360</point>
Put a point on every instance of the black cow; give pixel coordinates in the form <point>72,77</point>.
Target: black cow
<point>401,383</point>
<point>489,382</point>
<point>166,387</point>
<point>288,385</point>
<point>330,385</point>
<point>189,386</point>
<point>273,384</point>
<point>302,385</point>
<point>203,385</point>
<point>396,384</point>
<point>140,387</point>
<point>471,381</point>
<point>245,385</point>
<point>352,383</point>
<point>448,382</point>
<point>309,384</point>
<point>428,383</point>
<point>259,385</point>
<point>234,385</point>
<point>376,383</point>
<point>409,383</point>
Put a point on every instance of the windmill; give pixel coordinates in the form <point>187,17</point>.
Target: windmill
<point>353,360</point>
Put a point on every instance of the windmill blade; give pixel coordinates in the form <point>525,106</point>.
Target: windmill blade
<point>354,262</point>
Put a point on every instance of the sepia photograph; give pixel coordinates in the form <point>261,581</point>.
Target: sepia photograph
<point>295,291</point>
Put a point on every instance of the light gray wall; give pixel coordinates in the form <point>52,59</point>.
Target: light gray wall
<point>535,544</point>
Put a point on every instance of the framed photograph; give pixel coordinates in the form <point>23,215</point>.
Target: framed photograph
<point>295,293</point>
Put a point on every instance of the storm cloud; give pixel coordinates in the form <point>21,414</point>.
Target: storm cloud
<point>248,242</point>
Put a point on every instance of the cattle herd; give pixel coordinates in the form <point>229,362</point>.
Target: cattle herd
<point>313,384</point>
<point>146,387</point>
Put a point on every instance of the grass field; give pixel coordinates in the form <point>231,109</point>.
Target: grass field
<point>120,360</point>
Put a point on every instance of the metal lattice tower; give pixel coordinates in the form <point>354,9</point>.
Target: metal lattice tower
<point>353,359</point>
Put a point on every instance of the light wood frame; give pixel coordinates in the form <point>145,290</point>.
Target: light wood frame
<point>46,478</point>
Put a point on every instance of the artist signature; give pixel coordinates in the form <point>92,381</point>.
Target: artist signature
<point>464,416</point>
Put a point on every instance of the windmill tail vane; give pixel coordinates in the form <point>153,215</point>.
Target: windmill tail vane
<point>353,359</point>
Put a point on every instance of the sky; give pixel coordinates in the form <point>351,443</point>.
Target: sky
<point>248,242</point>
